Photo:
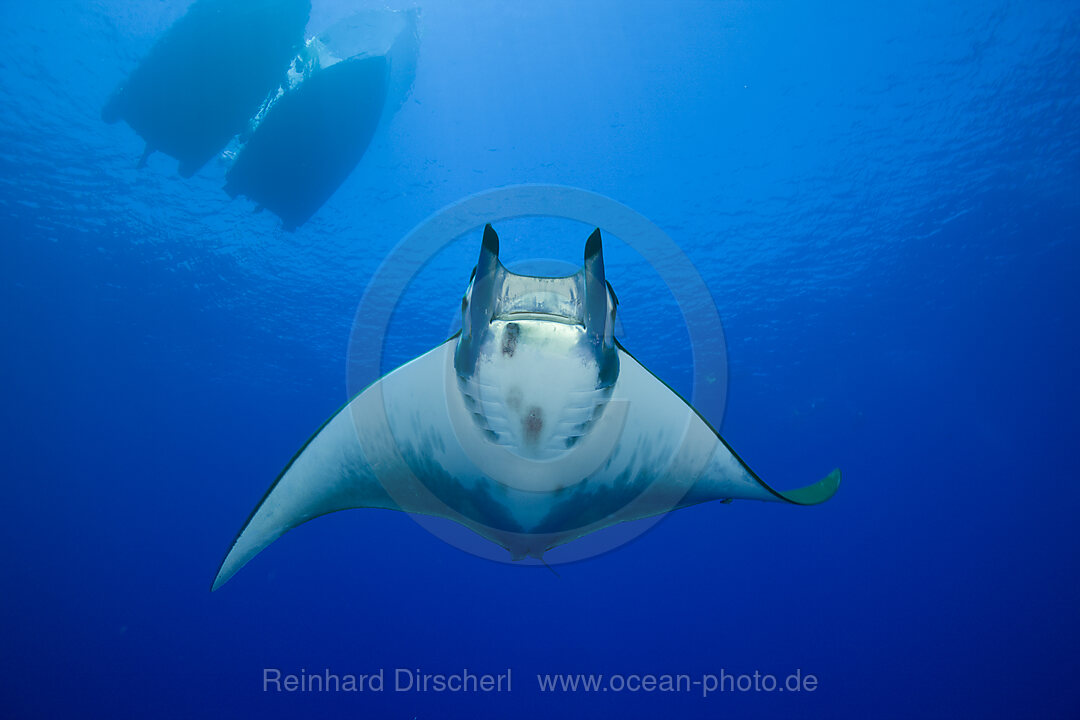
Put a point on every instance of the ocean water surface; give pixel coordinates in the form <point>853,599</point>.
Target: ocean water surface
<point>883,201</point>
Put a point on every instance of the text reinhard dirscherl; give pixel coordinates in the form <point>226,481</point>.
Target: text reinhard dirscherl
<point>414,680</point>
<point>400,680</point>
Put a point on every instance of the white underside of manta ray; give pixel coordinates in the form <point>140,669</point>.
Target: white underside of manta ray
<point>532,427</point>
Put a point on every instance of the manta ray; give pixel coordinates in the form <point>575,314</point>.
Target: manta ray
<point>532,426</point>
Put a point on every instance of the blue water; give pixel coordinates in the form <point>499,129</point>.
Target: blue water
<point>884,200</point>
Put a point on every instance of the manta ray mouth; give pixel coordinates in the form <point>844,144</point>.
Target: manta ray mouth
<point>521,315</point>
<point>550,299</point>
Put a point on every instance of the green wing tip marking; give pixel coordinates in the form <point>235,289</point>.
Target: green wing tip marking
<point>814,494</point>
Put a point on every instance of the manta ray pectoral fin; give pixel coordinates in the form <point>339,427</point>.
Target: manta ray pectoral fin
<point>346,464</point>
<point>814,494</point>
<point>328,474</point>
<point>727,477</point>
<point>717,472</point>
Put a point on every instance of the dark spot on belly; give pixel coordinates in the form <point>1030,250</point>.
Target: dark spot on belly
<point>510,338</point>
<point>534,423</point>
